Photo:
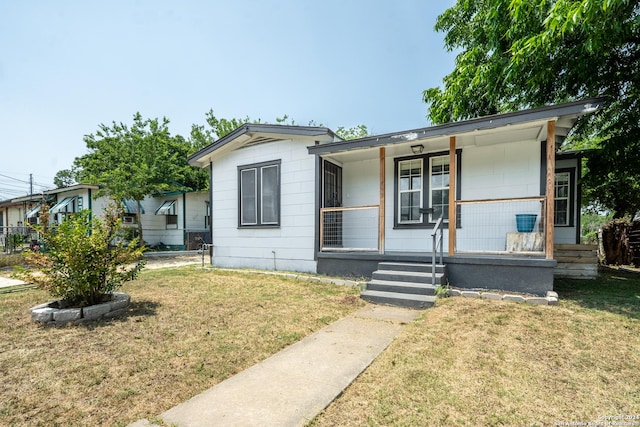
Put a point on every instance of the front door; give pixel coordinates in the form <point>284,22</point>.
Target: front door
<point>332,198</point>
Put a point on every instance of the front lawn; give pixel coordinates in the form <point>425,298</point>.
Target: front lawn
<point>187,329</point>
<point>472,362</point>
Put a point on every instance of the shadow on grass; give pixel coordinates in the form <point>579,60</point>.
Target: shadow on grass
<point>613,291</point>
<point>136,309</point>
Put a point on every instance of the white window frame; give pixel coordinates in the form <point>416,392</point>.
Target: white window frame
<point>411,189</point>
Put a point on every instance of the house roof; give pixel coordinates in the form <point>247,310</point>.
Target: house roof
<point>39,196</point>
<point>565,115</point>
<point>72,188</point>
<point>36,197</point>
<point>252,134</point>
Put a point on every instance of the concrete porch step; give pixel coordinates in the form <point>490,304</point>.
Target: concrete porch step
<point>399,299</point>
<point>401,287</point>
<point>410,266</point>
<point>406,276</point>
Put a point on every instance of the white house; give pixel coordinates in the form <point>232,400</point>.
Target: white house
<point>171,221</point>
<point>299,198</point>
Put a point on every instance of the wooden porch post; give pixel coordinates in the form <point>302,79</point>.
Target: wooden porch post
<point>550,187</point>
<point>452,195</point>
<point>381,209</point>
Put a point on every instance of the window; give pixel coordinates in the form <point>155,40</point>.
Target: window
<point>168,209</point>
<point>207,214</point>
<point>130,207</point>
<point>439,188</point>
<point>424,182</point>
<point>563,202</point>
<point>410,191</point>
<point>259,194</point>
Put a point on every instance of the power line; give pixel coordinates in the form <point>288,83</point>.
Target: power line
<point>15,179</point>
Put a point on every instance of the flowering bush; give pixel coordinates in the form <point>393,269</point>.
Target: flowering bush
<point>83,259</point>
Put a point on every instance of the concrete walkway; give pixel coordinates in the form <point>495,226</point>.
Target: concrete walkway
<point>6,282</point>
<point>294,385</point>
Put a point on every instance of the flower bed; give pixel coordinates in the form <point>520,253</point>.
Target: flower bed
<point>55,312</point>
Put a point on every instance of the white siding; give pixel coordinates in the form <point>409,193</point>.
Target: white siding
<point>16,215</point>
<point>287,247</point>
<point>494,171</point>
<point>497,172</point>
<point>196,210</point>
<point>501,171</point>
<point>154,227</point>
<point>360,228</point>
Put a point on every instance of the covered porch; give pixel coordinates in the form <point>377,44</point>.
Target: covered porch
<point>487,186</point>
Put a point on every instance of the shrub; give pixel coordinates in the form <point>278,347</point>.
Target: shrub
<point>83,260</point>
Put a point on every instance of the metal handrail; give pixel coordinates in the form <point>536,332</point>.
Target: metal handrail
<point>203,250</point>
<point>437,241</point>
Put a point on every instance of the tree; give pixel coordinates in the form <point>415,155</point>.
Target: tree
<point>133,162</point>
<point>518,54</point>
<point>202,136</point>
<point>65,178</point>
<point>355,132</point>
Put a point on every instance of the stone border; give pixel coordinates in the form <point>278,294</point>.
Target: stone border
<point>45,313</point>
<point>550,299</point>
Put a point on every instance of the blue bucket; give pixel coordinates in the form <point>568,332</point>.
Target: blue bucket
<point>525,222</point>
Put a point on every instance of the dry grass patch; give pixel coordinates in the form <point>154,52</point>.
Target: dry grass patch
<point>10,260</point>
<point>477,362</point>
<point>186,330</point>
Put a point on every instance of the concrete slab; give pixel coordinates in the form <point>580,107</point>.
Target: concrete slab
<point>6,282</point>
<point>388,313</point>
<point>294,385</point>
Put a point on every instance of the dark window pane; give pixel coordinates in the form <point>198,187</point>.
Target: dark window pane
<point>248,196</point>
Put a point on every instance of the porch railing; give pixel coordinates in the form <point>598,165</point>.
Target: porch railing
<point>353,228</point>
<point>438,241</point>
<point>484,226</point>
<point>490,226</point>
<point>14,239</point>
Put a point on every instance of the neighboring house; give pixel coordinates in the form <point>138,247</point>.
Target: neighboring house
<point>172,221</point>
<point>177,220</point>
<point>15,217</point>
<point>66,201</point>
<point>299,198</point>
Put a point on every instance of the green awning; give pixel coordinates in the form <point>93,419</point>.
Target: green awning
<point>131,206</point>
<point>34,211</point>
<point>60,206</point>
<point>167,208</point>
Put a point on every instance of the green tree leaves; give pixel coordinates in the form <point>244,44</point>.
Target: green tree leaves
<point>516,54</point>
<point>84,259</point>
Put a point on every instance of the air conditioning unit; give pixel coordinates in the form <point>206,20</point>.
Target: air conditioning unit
<point>129,220</point>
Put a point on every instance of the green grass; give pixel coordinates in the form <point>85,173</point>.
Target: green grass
<point>186,330</point>
<point>473,362</point>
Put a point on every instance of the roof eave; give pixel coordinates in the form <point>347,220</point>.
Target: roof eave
<point>195,159</point>
<point>577,108</point>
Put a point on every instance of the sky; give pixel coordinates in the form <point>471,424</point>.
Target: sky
<point>68,66</point>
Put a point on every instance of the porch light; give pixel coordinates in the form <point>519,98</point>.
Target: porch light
<point>417,149</point>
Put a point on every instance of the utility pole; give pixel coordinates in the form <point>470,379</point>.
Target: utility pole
<point>30,185</point>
